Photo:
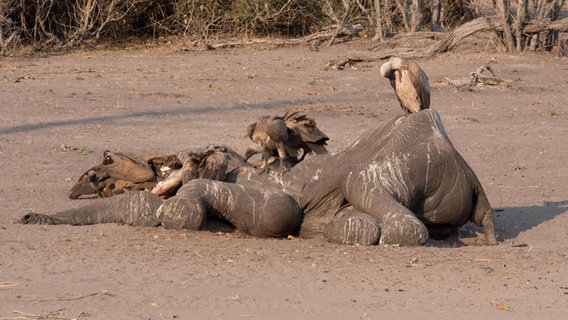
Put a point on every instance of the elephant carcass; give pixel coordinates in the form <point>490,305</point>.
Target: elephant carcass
<point>404,176</point>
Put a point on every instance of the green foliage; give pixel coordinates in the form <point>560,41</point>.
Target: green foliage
<point>551,112</point>
<point>84,150</point>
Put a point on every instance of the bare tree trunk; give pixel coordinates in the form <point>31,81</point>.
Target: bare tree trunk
<point>503,8</point>
<point>519,20</point>
<point>436,9</point>
<point>379,35</point>
<point>387,12</point>
<point>348,9</point>
<point>401,4</point>
<point>416,16</point>
<point>364,12</point>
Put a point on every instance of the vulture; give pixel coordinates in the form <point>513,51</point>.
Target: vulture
<point>284,137</point>
<point>214,162</point>
<point>409,82</point>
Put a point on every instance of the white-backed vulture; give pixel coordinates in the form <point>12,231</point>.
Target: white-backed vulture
<point>284,137</point>
<point>409,82</point>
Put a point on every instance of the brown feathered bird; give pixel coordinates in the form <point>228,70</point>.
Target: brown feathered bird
<point>213,162</point>
<point>284,137</point>
<point>409,82</point>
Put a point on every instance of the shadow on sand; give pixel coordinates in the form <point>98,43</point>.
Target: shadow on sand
<point>152,113</point>
<point>511,221</point>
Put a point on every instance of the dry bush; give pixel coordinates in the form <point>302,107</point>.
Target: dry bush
<point>55,24</point>
<point>9,32</point>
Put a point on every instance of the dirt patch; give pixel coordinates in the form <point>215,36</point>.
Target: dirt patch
<point>163,100</point>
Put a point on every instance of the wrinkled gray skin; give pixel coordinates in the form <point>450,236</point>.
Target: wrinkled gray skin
<point>405,174</point>
<point>399,183</point>
<point>257,212</point>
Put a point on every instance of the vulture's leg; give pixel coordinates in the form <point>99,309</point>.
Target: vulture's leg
<point>266,154</point>
<point>352,226</point>
<point>281,148</point>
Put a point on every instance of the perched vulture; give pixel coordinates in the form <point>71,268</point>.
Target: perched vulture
<point>409,82</point>
<point>284,137</point>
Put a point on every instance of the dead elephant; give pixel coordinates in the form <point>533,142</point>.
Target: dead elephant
<point>399,183</point>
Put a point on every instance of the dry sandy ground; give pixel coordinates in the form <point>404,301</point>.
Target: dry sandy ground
<point>515,137</point>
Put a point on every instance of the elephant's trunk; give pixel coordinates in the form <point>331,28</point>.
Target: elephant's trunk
<point>483,214</point>
<point>488,224</point>
<point>135,208</point>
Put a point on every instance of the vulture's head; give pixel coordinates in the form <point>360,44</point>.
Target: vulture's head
<point>388,68</point>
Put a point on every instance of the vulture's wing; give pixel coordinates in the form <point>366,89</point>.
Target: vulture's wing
<point>305,126</point>
<point>306,129</point>
<point>214,165</point>
<point>420,83</point>
<point>276,129</point>
<point>189,169</point>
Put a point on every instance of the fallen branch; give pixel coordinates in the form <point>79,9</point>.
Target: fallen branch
<point>443,42</point>
<point>475,75</point>
<point>345,31</point>
<point>52,315</point>
<point>476,80</point>
<point>8,284</point>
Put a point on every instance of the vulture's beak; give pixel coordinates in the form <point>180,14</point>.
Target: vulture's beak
<point>254,149</point>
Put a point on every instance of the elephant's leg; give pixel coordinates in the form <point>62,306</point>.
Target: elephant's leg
<point>135,208</point>
<point>261,213</point>
<point>183,211</point>
<point>351,227</point>
<point>399,225</point>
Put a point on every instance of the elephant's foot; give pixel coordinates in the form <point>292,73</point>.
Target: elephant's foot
<point>354,229</point>
<point>180,213</point>
<point>403,229</point>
